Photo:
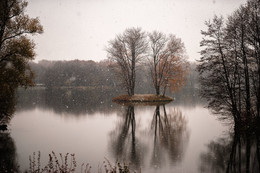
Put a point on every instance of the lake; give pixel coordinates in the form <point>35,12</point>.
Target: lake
<point>176,137</point>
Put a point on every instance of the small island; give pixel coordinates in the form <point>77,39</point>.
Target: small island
<point>163,56</point>
<point>142,98</point>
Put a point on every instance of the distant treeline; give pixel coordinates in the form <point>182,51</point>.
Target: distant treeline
<point>78,73</point>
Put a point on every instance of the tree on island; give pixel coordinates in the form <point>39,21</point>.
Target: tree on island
<point>16,47</point>
<point>165,55</point>
<point>127,51</point>
<point>167,62</point>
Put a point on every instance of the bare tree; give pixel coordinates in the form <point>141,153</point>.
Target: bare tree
<point>213,68</point>
<point>167,62</point>
<point>158,43</point>
<point>229,66</point>
<point>127,51</point>
<point>253,40</point>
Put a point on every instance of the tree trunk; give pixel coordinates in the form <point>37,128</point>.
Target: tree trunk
<point>158,90</point>
<point>133,71</point>
<point>246,73</point>
<point>164,90</point>
<point>156,84</point>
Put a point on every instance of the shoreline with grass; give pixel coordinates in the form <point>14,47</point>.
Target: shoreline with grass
<point>143,98</point>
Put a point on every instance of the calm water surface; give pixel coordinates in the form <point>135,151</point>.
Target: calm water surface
<point>170,138</point>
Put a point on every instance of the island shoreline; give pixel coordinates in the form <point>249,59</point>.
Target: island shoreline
<point>142,98</point>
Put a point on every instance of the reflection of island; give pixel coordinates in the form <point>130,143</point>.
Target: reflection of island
<point>238,152</point>
<point>170,135</point>
<point>170,138</point>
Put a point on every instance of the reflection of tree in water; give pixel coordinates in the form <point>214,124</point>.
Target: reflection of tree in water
<point>170,135</point>
<point>7,102</point>
<point>124,144</point>
<point>8,157</point>
<point>170,138</point>
<point>238,152</point>
<point>8,160</point>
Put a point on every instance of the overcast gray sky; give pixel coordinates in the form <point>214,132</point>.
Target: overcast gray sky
<point>81,29</point>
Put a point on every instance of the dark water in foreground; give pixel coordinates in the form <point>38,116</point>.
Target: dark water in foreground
<point>182,136</point>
